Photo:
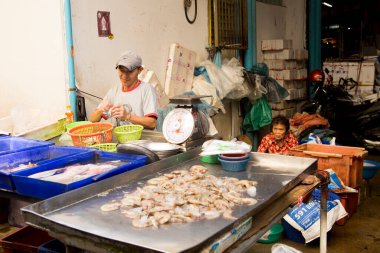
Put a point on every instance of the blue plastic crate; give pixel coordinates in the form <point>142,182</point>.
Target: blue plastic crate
<point>12,144</point>
<point>37,156</point>
<point>370,168</point>
<point>45,189</point>
<point>53,246</point>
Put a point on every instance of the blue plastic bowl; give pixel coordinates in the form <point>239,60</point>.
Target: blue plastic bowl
<point>234,165</point>
<point>234,157</point>
<point>370,168</point>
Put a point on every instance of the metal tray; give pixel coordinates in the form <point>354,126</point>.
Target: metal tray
<point>76,219</point>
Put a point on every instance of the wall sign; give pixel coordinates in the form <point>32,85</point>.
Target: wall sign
<point>104,23</point>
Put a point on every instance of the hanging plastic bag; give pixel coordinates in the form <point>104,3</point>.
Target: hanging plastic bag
<point>254,82</point>
<point>275,92</point>
<point>259,116</point>
<point>235,72</point>
<point>202,87</point>
<point>218,79</point>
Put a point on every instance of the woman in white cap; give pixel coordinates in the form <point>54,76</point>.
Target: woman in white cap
<point>132,102</point>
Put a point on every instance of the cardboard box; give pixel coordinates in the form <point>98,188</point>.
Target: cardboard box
<point>179,70</point>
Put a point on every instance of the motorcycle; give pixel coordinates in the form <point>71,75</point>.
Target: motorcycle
<point>356,120</point>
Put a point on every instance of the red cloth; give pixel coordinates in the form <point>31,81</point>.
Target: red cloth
<point>302,121</point>
<point>270,145</point>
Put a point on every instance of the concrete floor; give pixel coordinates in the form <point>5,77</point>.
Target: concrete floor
<point>360,234</point>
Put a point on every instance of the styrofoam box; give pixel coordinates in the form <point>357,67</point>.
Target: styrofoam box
<point>340,70</point>
<point>361,90</point>
<point>367,73</point>
<point>353,70</point>
<point>364,71</point>
<point>277,44</point>
<point>180,70</point>
<point>284,112</point>
<point>285,54</point>
<point>42,189</point>
<point>295,94</point>
<point>292,84</point>
<point>35,156</point>
<point>285,64</point>
<point>283,105</point>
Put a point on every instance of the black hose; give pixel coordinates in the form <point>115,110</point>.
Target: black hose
<point>186,6</point>
<point>80,91</point>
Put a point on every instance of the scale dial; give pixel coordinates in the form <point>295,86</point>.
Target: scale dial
<point>178,125</point>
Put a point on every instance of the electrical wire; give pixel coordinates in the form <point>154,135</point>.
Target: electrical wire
<point>89,94</point>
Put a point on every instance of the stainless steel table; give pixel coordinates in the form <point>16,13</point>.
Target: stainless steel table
<point>75,217</point>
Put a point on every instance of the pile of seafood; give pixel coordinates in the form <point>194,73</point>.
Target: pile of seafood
<point>184,196</point>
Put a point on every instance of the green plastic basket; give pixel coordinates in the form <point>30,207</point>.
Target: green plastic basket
<point>210,159</point>
<point>128,133</point>
<point>274,234</point>
<point>109,147</point>
<point>77,123</point>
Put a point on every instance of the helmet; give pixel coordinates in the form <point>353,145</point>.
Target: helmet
<point>317,76</point>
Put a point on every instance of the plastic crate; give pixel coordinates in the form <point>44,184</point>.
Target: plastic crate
<point>37,156</point>
<point>53,246</point>
<point>350,202</point>
<point>45,189</point>
<point>347,162</point>
<point>26,239</point>
<point>11,144</point>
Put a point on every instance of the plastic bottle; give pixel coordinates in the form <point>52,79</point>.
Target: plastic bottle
<point>69,115</point>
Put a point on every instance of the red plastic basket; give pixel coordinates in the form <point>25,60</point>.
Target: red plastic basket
<point>91,134</point>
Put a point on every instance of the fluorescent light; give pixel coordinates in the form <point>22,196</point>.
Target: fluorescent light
<point>334,27</point>
<point>327,4</point>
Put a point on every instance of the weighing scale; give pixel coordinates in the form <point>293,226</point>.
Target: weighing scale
<point>186,125</point>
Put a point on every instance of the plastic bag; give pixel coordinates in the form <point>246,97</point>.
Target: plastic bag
<point>275,92</point>
<point>254,81</point>
<point>214,147</point>
<point>259,116</point>
<point>282,248</point>
<point>306,217</point>
<point>202,87</point>
<point>218,79</point>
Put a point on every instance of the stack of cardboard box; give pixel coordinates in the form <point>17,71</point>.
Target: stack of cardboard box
<point>288,67</point>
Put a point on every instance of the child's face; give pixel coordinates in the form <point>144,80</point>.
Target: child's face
<point>279,131</point>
